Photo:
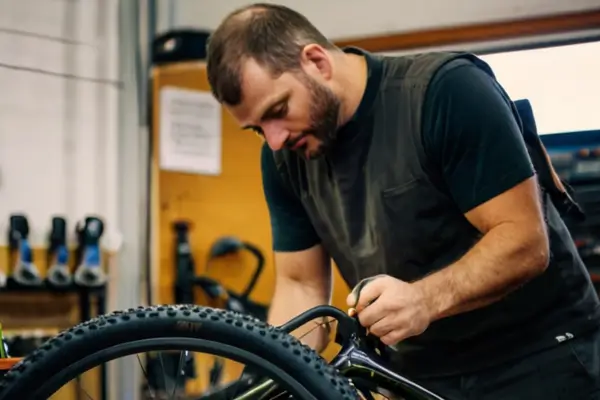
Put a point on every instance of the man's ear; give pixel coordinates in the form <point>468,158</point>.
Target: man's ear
<point>315,60</point>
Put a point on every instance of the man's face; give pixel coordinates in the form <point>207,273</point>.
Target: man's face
<point>294,110</point>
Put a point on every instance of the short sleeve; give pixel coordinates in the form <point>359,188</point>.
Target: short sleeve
<point>291,227</point>
<point>471,133</point>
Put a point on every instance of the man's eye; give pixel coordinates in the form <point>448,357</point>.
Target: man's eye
<point>279,112</point>
<point>258,130</point>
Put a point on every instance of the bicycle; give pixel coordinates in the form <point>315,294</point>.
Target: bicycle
<point>300,371</point>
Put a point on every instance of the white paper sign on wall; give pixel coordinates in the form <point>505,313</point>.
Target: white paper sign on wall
<point>190,131</point>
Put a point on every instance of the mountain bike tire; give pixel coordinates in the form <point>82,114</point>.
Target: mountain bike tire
<point>92,343</point>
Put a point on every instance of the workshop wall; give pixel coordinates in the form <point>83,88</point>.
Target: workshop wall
<point>358,18</point>
<point>58,145</point>
<point>58,124</point>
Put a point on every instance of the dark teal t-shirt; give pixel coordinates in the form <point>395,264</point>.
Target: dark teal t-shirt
<point>468,131</point>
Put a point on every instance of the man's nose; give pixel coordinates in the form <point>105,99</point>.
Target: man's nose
<point>275,135</point>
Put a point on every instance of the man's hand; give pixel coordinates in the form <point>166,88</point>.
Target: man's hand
<point>391,309</point>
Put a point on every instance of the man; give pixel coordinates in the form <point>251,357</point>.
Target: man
<point>412,171</point>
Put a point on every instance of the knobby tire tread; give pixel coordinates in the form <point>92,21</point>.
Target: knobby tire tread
<point>226,327</point>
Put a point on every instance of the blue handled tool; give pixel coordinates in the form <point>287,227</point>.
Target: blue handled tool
<point>89,272</point>
<point>59,274</point>
<point>24,271</point>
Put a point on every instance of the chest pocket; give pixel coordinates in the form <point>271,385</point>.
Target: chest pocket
<point>419,228</point>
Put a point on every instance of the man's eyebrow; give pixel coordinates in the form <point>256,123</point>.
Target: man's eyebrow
<point>277,101</point>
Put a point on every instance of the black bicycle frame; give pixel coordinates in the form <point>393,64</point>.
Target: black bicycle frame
<point>359,359</point>
<point>355,361</point>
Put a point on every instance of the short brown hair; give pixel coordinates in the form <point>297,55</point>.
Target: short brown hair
<point>271,34</point>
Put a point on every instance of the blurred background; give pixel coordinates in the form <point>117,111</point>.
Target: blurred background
<point>99,154</point>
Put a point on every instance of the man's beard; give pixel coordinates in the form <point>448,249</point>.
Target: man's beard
<point>324,115</point>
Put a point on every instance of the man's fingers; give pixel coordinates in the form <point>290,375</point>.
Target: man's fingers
<point>394,337</point>
<point>372,314</point>
<point>370,293</point>
<point>382,327</point>
<point>363,291</point>
<point>355,293</point>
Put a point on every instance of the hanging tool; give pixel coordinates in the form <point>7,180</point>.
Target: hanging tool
<point>233,301</point>
<point>227,299</point>
<point>184,264</point>
<point>59,274</point>
<point>89,272</point>
<point>24,271</point>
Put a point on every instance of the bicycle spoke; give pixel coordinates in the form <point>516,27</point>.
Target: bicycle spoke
<point>273,398</point>
<point>325,325</point>
<point>179,371</point>
<point>145,376</point>
<point>278,396</point>
<point>162,364</point>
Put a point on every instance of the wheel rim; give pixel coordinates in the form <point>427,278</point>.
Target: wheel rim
<point>59,379</point>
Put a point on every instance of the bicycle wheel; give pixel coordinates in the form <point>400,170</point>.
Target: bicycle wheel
<point>299,369</point>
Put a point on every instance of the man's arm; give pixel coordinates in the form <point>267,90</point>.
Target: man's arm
<point>302,267</point>
<point>513,249</point>
<point>472,133</point>
<point>303,280</point>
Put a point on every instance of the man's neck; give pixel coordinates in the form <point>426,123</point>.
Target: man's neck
<point>354,82</point>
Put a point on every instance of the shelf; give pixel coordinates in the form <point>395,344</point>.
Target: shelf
<point>13,287</point>
<point>8,363</point>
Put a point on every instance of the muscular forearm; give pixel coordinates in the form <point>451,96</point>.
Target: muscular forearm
<point>504,259</point>
<point>291,298</point>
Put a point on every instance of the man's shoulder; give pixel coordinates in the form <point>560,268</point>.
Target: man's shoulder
<point>460,68</point>
<point>452,77</point>
<point>291,227</point>
<point>276,169</point>
<point>424,70</point>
